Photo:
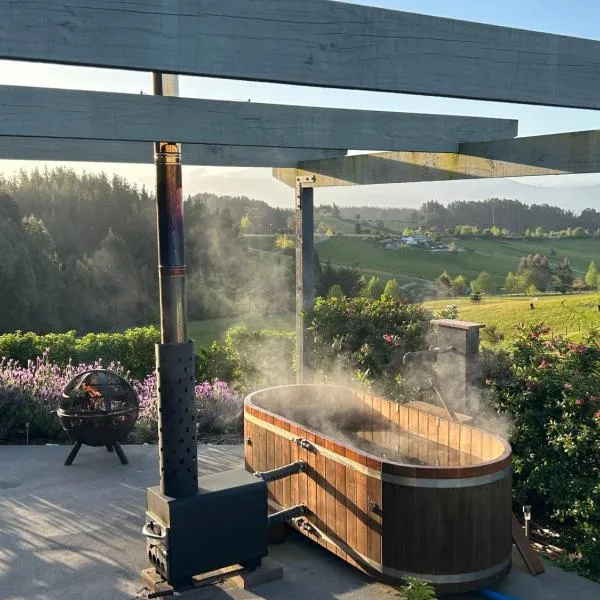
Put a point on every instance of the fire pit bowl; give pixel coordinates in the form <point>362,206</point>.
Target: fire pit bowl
<point>98,408</point>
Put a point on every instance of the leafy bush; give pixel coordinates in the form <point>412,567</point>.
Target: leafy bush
<point>416,589</point>
<point>366,337</point>
<point>492,334</point>
<point>259,357</point>
<point>133,349</point>
<point>450,312</point>
<point>551,388</point>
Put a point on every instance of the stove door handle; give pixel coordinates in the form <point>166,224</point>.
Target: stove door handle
<point>148,531</point>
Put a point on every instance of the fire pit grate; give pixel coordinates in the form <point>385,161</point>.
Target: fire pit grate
<point>98,408</point>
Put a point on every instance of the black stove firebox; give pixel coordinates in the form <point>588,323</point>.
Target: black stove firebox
<point>224,523</point>
<point>98,408</point>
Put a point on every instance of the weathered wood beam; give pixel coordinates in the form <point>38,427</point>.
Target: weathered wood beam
<point>556,154</point>
<point>43,112</point>
<point>308,42</point>
<point>305,276</point>
<point>107,151</point>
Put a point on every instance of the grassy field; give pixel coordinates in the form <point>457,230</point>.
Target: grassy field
<point>571,315</point>
<point>497,257</point>
<point>204,333</point>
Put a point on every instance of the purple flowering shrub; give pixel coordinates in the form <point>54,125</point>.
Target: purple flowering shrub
<point>219,409</point>
<point>31,393</point>
<point>550,387</point>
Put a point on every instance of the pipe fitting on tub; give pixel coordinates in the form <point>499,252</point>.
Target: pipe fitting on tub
<point>305,444</point>
<point>281,472</point>
<point>287,514</point>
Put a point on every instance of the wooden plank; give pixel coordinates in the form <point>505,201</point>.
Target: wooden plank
<point>466,433</point>
<point>286,454</point>
<point>341,505</point>
<point>278,462</point>
<point>311,476</point>
<point>248,437</point>
<point>443,435</point>
<point>488,447</point>
<point>302,479</point>
<point>351,508</point>
<point>330,497</point>
<point>294,455</point>
<point>557,154</point>
<point>389,543</point>
<point>476,443</point>
<point>270,455</point>
<point>45,112</point>
<point>530,558</point>
<point>312,42</point>
<point>108,151</point>
<point>321,489</point>
<point>374,511</point>
<point>362,527</point>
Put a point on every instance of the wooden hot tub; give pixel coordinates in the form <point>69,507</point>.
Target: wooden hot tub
<point>391,489</point>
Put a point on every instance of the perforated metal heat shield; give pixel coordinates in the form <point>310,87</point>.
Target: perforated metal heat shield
<point>177,419</point>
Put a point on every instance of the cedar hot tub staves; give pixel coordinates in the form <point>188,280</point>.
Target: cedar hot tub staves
<point>389,488</point>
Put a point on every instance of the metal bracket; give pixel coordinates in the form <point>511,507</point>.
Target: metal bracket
<point>302,443</point>
<point>305,179</point>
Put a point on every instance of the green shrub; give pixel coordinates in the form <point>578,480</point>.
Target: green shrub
<point>416,589</point>
<point>216,362</point>
<point>366,337</point>
<point>550,387</point>
<point>261,357</point>
<point>134,348</point>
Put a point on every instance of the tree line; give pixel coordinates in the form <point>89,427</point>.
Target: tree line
<point>494,217</point>
<point>534,274</point>
<point>79,252</point>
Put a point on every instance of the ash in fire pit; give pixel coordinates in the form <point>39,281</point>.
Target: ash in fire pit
<point>98,408</point>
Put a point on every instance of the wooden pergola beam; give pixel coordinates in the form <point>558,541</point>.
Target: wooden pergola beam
<point>308,42</point>
<point>558,154</point>
<point>44,112</point>
<point>107,151</point>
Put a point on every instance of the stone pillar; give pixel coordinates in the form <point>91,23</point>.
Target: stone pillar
<point>459,371</point>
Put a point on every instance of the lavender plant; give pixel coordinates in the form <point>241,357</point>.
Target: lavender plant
<point>31,393</point>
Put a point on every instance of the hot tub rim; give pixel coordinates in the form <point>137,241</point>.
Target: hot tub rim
<point>387,466</point>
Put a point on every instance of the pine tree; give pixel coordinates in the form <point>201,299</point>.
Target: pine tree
<point>591,277</point>
<point>459,285</point>
<point>373,288</point>
<point>391,289</point>
<point>335,291</point>
<point>483,284</point>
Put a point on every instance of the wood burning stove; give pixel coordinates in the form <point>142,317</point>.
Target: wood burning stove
<point>98,408</point>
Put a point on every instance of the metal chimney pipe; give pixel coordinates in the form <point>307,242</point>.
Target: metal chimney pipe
<point>175,354</point>
<point>169,199</point>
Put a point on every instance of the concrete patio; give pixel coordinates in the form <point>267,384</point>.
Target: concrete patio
<point>70,533</point>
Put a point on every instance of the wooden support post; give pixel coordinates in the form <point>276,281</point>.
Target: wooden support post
<point>305,272</point>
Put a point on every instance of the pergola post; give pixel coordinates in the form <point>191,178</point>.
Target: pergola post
<point>305,272</point>
<point>175,353</point>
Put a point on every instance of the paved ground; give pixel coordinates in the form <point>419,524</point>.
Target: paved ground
<point>73,533</point>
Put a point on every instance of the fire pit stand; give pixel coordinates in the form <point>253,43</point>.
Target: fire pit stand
<point>109,447</point>
<point>98,408</point>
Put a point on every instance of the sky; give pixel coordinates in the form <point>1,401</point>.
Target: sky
<point>577,18</point>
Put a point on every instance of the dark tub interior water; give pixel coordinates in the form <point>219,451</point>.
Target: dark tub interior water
<point>341,416</point>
